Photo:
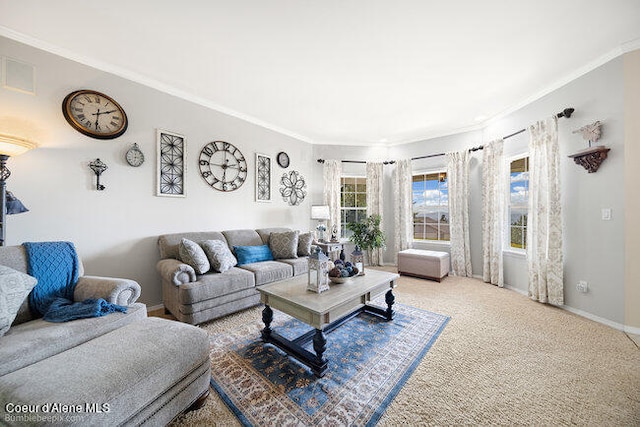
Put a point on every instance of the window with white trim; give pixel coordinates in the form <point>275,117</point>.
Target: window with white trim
<point>518,202</point>
<point>430,206</point>
<point>353,201</point>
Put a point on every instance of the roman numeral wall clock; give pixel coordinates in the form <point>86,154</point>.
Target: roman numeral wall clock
<point>94,114</point>
<point>171,164</point>
<point>222,166</point>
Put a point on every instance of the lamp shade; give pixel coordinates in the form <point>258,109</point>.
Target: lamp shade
<point>13,146</point>
<point>320,212</point>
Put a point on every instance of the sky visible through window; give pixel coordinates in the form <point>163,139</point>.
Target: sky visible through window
<point>430,206</point>
<point>518,202</point>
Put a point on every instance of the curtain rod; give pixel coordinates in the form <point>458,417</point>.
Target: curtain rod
<point>567,112</point>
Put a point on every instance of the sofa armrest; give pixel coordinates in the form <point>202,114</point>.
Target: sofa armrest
<point>175,271</point>
<point>116,291</point>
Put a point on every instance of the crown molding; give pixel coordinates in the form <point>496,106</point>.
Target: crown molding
<point>171,90</point>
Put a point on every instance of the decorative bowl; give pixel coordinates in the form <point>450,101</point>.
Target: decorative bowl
<point>339,279</point>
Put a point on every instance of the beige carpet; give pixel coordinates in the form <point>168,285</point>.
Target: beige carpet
<point>502,359</point>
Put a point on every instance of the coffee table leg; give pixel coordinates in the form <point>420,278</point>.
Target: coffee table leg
<point>389,298</point>
<point>267,317</point>
<point>319,346</point>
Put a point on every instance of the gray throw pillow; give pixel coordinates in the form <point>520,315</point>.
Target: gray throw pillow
<point>219,255</point>
<point>304,244</point>
<point>14,289</point>
<point>284,245</point>
<point>191,253</point>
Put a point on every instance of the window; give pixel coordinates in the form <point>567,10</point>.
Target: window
<point>353,201</point>
<point>518,202</point>
<point>430,207</point>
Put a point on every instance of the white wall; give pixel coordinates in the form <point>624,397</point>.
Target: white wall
<point>116,230</point>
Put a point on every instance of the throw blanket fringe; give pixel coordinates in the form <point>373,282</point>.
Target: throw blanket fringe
<point>63,310</point>
<point>56,266</point>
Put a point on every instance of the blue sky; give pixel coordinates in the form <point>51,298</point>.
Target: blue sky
<point>429,199</point>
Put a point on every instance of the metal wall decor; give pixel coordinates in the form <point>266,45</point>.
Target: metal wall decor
<point>293,188</point>
<point>263,178</point>
<point>222,166</point>
<point>98,167</point>
<point>171,164</point>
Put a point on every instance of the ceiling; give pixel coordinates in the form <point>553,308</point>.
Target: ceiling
<point>339,71</point>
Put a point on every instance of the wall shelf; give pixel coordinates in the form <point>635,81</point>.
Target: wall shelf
<point>591,158</point>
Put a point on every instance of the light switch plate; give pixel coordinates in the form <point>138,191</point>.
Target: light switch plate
<point>606,214</point>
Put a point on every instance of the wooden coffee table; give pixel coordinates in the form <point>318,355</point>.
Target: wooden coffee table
<point>324,312</point>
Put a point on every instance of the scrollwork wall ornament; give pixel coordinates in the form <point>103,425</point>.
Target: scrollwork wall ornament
<point>293,188</point>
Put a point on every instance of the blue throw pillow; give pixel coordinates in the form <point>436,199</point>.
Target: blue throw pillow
<point>250,254</point>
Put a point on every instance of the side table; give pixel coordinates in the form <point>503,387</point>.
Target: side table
<point>334,250</point>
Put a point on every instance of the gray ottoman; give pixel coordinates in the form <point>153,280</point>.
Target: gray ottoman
<point>432,265</point>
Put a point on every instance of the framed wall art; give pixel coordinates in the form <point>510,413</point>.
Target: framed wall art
<point>171,164</point>
<point>263,178</point>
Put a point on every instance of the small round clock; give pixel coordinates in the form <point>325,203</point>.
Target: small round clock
<point>283,159</point>
<point>94,114</point>
<point>222,166</point>
<point>134,156</point>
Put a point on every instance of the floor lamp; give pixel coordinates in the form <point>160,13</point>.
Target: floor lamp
<point>9,146</point>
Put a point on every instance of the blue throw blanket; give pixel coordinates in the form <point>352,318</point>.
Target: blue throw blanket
<point>56,266</point>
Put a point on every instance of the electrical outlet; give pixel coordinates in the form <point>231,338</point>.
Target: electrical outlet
<point>582,286</point>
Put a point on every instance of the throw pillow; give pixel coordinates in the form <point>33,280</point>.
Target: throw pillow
<point>304,244</point>
<point>14,289</point>
<point>284,245</point>
<point>192,253</point>
<point>219,255</point>
<point>251,254</point>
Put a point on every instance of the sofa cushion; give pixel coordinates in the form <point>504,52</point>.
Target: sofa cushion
<point>14,289</point>
<point>243,238</point>
<point>284,245</point>
<point>168,244</point>
<point>130,370</point>
<point>215,285</point>
<point>265,233</point>
<point>192,253</point>
<point>251,254</point>
<point>37,340</point>
<point>304,244</point>
<point>219,255</point>
<point>269,271</point>
<point>300,265</point>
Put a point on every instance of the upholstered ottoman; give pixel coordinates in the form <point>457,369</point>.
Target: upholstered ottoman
<point>421,263</point>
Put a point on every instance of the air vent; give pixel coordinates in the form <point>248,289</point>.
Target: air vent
<point>18,76</point>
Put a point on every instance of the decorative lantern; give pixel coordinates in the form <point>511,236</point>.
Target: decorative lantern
<point>357,259</point>
<point>318,271</point>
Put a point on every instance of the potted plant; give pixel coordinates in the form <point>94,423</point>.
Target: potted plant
<point>367,234</point>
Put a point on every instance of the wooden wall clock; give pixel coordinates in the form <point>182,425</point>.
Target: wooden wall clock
<point>223,166</point>
<point>94,114</point>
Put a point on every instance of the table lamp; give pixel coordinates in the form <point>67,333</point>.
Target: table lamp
<point>320,213</point>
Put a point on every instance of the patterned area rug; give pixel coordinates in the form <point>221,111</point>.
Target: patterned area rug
<point>369,362</point>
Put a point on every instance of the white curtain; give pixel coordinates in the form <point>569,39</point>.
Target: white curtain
<point>493,196</point>
<point>458,184</point>
<point>332,172</point>
<point>403,196</point>
<point>544,224</point>
<point>374,203</point>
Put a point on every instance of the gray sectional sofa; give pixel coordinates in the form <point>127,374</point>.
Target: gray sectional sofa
<point>119,369</point>
<point>196,298</point>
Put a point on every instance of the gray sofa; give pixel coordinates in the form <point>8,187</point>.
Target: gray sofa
<point>119,369</point>
<point>196,298</point>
